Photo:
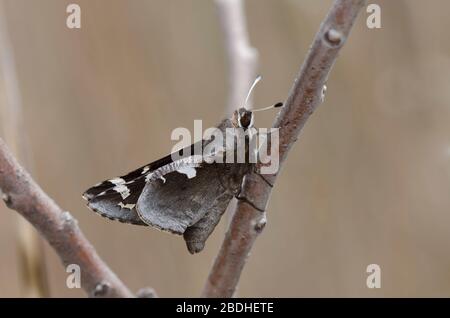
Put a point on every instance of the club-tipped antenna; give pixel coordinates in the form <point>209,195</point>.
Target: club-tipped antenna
<point>277,105</point>
<point>257,79</point>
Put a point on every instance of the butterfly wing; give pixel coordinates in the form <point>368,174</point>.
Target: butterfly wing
<point>191,206</point>
<point>187,196</point>
<point>116,198</point>
<point>111,203</point>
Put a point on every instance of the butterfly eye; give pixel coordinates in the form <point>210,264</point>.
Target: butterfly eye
<point>245,119</point>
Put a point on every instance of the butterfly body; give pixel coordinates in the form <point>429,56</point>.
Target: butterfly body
<point>186,196</point>
<point>185,192</point>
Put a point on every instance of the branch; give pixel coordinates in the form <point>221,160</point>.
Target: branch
<point>304,97</point>
<point>21,193</point>
<point>33,275</point>
<point>242,57</point>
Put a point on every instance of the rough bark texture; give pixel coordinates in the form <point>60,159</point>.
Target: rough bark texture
<point>20,192</point>
<point>306,94</point>
<point>30,251</point>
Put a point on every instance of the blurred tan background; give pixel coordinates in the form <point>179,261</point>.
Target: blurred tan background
<point>367,182</point>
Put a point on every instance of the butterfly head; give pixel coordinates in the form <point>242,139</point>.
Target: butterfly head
<point>243,118</point>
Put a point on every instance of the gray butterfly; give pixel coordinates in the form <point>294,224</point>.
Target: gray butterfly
<point>185,196</point>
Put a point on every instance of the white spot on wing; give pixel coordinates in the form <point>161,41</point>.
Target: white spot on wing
<point>145,170</point>
<point>117,181</point>
<point>123,190</point>
<point>126,206</point>
<point>193,161</point>
<point>190,172</point>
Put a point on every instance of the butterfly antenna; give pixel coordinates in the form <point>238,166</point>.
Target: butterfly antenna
<point>251,90</point>
<point>277,105</point>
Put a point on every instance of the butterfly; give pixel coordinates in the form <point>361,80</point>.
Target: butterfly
<point>181,193</point>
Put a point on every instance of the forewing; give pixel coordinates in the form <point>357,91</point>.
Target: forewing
<point>112,205</point>
<point>116,198</point>
<point>133,175</point>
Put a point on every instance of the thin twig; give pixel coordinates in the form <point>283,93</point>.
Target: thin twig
<point>31,252</point>
<point>242,57</point>
<point>21,193</point>
<point>303,99</point>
